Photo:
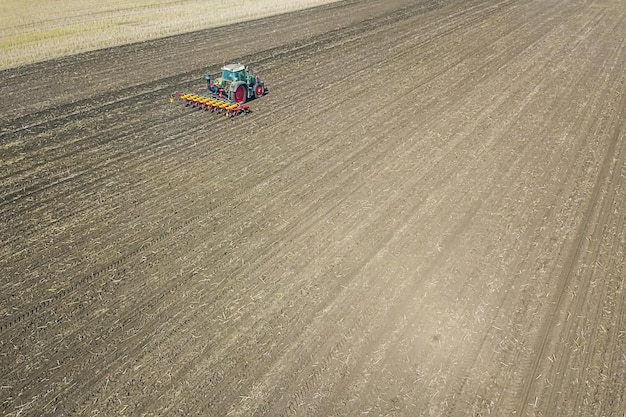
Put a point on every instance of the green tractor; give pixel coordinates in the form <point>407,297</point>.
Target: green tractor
<point>237,84</point>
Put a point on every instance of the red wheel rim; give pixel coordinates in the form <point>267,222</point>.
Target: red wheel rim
<point>259,90</point>
<point>240,94</point>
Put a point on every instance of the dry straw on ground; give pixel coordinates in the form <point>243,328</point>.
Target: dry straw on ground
<point>38,30</point>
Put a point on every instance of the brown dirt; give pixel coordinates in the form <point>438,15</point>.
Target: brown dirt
<point>425,217</point>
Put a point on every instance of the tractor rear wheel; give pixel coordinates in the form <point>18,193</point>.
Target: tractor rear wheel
<point>239,95</point>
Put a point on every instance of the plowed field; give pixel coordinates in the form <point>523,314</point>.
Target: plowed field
<point>426,216</point>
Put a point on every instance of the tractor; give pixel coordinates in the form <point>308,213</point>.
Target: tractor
<point>237,84</point>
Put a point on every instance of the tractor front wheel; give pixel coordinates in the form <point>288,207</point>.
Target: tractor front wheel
<point>259,90</point>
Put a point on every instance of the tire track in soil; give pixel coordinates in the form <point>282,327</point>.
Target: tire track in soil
<point>469,362</point>
<point>557,308</point>
<point>589,241</point>
<point>560,306</point>
<point>570,169</point>
<point>300,394</point>
<point>582,283</point>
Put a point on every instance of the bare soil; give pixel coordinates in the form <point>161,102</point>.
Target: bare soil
<point>426,216</point>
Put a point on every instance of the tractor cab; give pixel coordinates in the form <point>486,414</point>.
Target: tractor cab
<point>234,72</point>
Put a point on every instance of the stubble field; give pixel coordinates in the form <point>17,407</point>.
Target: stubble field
<point>37,31</point>
<point>426,216</point>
